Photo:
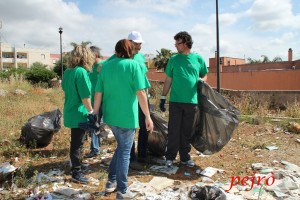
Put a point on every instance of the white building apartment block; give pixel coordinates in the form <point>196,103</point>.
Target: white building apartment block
<point>14,57</point>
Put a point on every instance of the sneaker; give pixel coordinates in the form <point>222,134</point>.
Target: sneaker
<point>84,168</point>
<point>169,163</point>
<point>189,163</point>
<point>127,195</point>
<point>135,165</point>
<point>91,155</point>
<point>110,186</point>
<point>78,177</point>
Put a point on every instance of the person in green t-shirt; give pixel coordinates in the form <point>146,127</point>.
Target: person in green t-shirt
<point>76,85</point>
<point>183,71</point>
<point>137,162</point>
<point>121,86</point>
<point>95,140</point>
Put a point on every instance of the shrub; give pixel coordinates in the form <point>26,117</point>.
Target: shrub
<point>39,74</point>
<point>15,73</point>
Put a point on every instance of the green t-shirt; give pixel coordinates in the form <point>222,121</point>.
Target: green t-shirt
<point>118,81</point>
<point>185,71</point>
<point>140,58</point>
<point>94,77</point>
<point>77,85</point>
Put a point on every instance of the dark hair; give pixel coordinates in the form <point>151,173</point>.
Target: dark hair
<point>185,37</point>
<point>96,51</point>
<point>124,49</point>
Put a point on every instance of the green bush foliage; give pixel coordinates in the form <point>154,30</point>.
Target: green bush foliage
<point>39,74</point>
<point>15,73</point>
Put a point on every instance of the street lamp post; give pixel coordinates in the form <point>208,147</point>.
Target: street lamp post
<point>218,48</point>
<point>61,60</point>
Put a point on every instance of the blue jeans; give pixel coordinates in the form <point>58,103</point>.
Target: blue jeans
<point>95,142</point>
<point>119,165</point>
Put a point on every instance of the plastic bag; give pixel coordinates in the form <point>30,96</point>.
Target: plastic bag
<point>157,140</point>
<point>39,129</point>
<point>214,122</point>
<point>206,192</point>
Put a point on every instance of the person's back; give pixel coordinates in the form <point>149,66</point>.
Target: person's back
<point>121,85</point>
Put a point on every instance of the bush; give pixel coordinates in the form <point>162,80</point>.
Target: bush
<point>39,74</point>
<point>15,73</point>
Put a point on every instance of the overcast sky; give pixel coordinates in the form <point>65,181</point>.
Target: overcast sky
<point>247,28</point>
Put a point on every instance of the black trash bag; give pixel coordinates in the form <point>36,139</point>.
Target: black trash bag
<point>39,129</point>
<point>206,192</point>
<point>214,122</point>
<point>157,140</point>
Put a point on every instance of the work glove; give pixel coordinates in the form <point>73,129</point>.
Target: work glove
<point>93,119</point>
<point>162,103</point>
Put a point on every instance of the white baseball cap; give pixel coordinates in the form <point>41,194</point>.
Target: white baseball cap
<point>136,37</point>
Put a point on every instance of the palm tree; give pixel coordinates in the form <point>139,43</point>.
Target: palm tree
<point>265,60</point>
<point>83,43</point>
<point>162,58</point>
<point>252,61</point>
<point>277,59</point>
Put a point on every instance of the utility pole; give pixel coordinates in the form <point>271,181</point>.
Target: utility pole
<point>61,59</point>
<point>218,48</point>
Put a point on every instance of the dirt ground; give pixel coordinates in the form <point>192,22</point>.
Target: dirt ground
<point>247,146</point>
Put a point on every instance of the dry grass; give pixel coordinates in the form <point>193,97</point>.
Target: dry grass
<point>16,109</point>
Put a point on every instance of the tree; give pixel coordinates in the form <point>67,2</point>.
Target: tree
<point>162,58</point>
<point>57,67</point>
<point>38,73</point>
<point>83,43</point>
<point>265,60</point>
<point>277,59</point>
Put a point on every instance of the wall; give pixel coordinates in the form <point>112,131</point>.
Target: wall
<point>288,80</point>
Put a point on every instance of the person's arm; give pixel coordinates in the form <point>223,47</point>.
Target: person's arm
<point>141,94</point>
<point>204,78</point>
<point>97,101</point>
<point>167,86</point>
<point>166,89</point>
<point>88,105</point>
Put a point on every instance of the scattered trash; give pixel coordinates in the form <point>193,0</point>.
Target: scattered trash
<point>6,168</point>
<point>271,148</point>
<point>187,174</point>
<point>294,127</point>
<point>210,171</point>
<point>38,130</point>
<point>164,169</point>
<point>207,193</point>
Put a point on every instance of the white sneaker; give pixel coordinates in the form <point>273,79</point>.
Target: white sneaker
<point>189,163</point>
<point>169,163</point>
<point>110,187</point>
<point>127,195</point>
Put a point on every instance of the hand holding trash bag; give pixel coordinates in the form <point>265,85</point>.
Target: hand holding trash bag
<point>162,103</point>
<point>93,119</point>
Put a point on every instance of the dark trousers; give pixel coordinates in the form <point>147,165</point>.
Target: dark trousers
<point>142,138</point>
<point>181,118</point>
<point>77,140</point>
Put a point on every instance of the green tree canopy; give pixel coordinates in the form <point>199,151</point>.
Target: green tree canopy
<point>161,60</point>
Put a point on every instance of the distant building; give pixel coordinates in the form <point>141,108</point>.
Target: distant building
<point>15,57</point>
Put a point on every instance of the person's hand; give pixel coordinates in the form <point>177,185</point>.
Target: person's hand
<point>162,103</point>
<point>93,119</point>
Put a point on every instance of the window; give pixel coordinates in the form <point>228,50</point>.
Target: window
<point>43,57</point>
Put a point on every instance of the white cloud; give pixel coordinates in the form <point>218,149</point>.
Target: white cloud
<point>273,15</point>
<point>36,22</point>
